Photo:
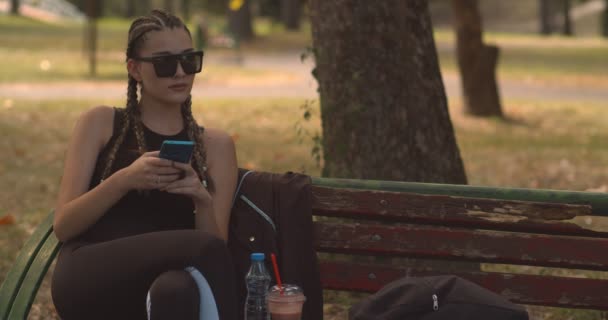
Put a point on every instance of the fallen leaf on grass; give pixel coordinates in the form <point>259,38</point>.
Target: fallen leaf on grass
<point>20,152</point>
<point>7,220</point>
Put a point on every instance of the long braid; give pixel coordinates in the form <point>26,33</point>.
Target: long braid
<point>195,133</point>
<point>126,121</point>
<point>138,128</point>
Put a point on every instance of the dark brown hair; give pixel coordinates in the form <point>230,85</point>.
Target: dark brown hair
<point>157,20</point>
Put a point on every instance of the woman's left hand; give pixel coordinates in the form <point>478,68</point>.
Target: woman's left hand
<point>189,185</point>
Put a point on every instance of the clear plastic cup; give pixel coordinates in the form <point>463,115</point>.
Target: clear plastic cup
<point>286,304</point>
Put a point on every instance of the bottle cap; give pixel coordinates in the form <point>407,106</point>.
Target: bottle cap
<point>257,256</point>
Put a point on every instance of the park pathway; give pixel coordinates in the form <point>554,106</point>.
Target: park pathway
<point>297,83</point>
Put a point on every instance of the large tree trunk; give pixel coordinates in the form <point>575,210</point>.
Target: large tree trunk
<point>477,62</point>
<point>291,11</point>
<point>240,21</point>
<point>383,105</point>
<point>545,17</point>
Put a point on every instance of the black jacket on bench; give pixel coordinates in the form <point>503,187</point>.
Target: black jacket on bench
<point>273,213</point>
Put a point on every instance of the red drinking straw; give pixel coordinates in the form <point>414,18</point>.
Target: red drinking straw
<point>276,271</point>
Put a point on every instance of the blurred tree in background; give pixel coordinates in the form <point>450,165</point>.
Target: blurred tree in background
<point>15,7</point>
<point>604,24</point>
<point>240,18</point>
<point>550,10</point>
<point>477,61</point>
<point>287,12</point>
<point>270,9</point>
<point>567,29</point>
<point>219,7</point>
<point>93,12</point>
<point>291,11</point>
<point>544,16</point>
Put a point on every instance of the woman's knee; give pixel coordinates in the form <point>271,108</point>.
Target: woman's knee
<point>172,283</point>
<point>212,245</point>
<point>173,295</point>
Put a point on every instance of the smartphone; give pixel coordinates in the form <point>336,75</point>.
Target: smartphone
<point>177,150</point>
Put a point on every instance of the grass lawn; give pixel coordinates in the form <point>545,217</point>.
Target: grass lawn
<point>53,52</point>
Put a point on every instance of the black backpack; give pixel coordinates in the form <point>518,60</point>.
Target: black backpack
<point>434,298</point>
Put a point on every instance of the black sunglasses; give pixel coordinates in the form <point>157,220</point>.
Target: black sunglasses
<point>166,66</point>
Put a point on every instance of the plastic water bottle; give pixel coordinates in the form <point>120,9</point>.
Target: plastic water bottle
<point>258,281</point>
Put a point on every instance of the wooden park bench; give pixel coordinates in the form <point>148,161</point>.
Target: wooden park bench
<point>435,221</point>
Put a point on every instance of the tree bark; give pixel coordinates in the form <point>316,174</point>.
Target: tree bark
<point>383,104</point>
<point>477,62</point>
<point>545,18</point>
<point>240,22</point>
<point>291,11</point>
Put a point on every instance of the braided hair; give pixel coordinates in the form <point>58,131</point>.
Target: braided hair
<point>157,20</point>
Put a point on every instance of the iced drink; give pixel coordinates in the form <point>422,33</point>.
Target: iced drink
<point>285,304</point>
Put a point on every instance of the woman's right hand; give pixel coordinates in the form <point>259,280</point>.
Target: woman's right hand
<point>151,172</point>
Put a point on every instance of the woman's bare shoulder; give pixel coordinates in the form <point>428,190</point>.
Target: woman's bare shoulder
<point>98,115</point>
<point>99,121</point>
<point>214,137</point>
<point>218,143</point>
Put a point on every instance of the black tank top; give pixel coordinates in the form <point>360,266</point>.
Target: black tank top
<point>138,212</point>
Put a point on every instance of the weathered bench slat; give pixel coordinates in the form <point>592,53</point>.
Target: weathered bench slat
<point>518,288</point>
<point>505,215</point>
<point>462,244</point>
<point>597,200</point>
<point>14,279</point>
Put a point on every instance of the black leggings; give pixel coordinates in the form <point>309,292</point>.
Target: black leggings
<point>110,280</point>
